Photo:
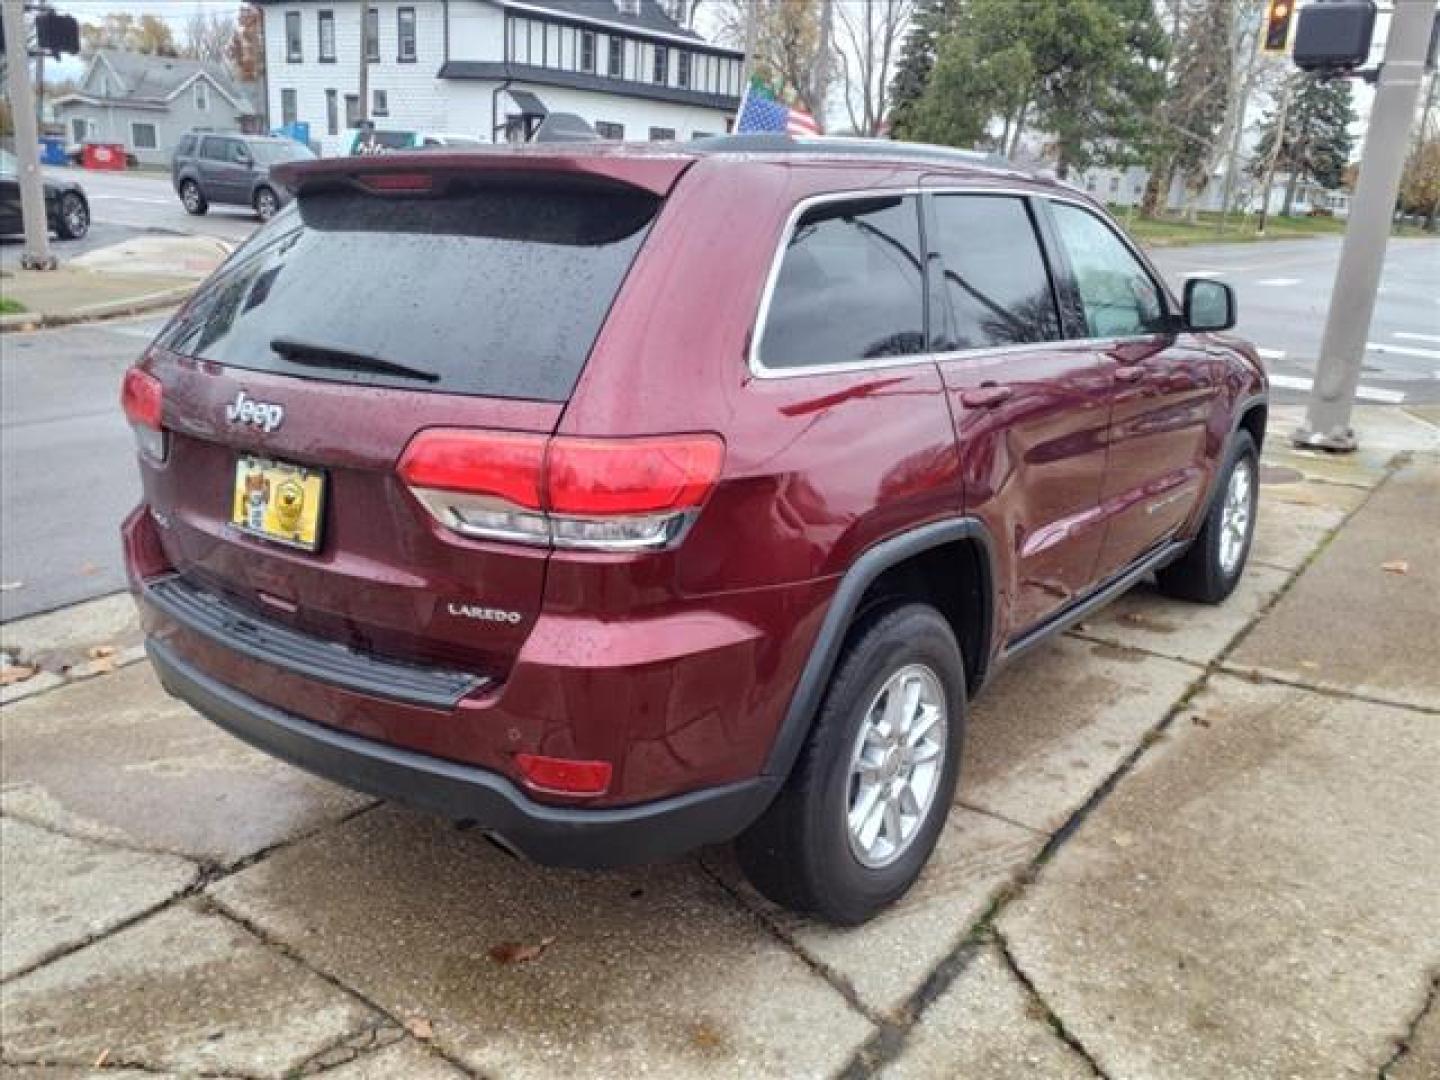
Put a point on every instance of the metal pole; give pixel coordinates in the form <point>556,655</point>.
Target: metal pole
<point>1352,301</point>
<point>364,105</point>
<point>27,139</point>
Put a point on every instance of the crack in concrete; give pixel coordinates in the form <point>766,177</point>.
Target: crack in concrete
<point>93,838</point>
<point>1052,1018</point>
<point>352,1046</point>
<point>998,817</point>
<point>1402,1047</point>
<point>108,1063</point>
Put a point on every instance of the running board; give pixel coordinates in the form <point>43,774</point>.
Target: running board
<point>1091,602</point>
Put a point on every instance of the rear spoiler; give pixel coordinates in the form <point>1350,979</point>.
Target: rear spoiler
<point>654,173</point>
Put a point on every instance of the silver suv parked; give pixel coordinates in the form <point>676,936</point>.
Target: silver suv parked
<point>234,169</point>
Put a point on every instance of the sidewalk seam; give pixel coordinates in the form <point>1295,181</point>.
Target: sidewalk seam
<point>1052,1018</point>
<point>1403,1046</point>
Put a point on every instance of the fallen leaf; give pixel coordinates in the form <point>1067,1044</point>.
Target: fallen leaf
<point>421,1028</point>
<point>100,652</point>
<point>104,1057</point>
<point>103,666</point>
<point>16,673</point>
<point>1396,566</point>
<point>512,952</point>
<point>11,586</point>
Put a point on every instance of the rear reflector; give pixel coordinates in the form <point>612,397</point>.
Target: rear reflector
<point>143,398</point>
<point>598,494</point>
<point>564,776</point>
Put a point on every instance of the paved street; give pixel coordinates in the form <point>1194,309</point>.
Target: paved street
<point>1190,843</point>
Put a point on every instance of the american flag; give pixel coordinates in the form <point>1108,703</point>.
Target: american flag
<point>759,111</point>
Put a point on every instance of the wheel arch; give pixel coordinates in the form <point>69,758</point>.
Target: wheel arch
<point>856,594</point>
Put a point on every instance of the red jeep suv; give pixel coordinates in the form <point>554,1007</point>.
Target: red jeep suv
<point>620,500</point>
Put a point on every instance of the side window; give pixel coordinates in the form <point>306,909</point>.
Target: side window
<point>213,149</point>
<point>850,286</point>
<point>1117,294</point>
<point>186,147</point>
<point>995,283</point>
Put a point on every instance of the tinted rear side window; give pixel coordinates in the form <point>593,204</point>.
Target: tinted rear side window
<point>850,286</point>
<point>494,291</point>
<point>995,283</point>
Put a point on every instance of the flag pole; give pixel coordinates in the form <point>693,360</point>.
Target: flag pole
<point>747,67</point>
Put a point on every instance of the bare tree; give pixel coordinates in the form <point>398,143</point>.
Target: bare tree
<point>788,36</point>
<point>868,48</point>
<point>207,36</point>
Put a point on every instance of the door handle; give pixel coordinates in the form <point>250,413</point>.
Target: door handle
<point>1129,373</point>
<point>986,397</point>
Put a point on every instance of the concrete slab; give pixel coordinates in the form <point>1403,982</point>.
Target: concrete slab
<point>986,1025</point>
<point>187,990</point>
<point>1257,899</point>
<point>1057,722</point>
<point>115,757</point>
<point>79,1072</point>
<point>1144,619</point>
<point>59,892</point>
<point>887,959</point>
<point>655,969</point>
<point>1288,533</point>
<point>63,638</point>
<point>1348,623</point>
<point>1421,1059</point>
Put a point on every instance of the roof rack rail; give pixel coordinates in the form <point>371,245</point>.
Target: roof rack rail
<point>774,142</point>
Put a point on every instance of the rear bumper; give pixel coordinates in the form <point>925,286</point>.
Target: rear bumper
<point>560,836</point>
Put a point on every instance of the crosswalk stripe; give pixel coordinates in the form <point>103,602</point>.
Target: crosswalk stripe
<point>1403,350</point>
<point>1271,354</point>
<point>1404,335</point>
<point>1364,393</point>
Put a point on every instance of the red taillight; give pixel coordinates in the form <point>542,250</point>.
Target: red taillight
<point>505,465</point>
<point>142,397</point>
<point>564,776</point>
<point>632,476</point>
<point>601,494</point>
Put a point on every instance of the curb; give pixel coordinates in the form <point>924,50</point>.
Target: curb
<point>114,309</point>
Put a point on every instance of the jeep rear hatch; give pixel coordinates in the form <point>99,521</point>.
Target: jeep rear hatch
<point>395,296</point>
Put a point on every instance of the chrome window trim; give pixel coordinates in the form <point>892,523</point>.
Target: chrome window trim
<point>760,371</point>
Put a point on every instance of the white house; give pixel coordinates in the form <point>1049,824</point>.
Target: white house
<point>491,68</point>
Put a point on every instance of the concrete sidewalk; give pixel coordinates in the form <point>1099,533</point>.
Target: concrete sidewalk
<point>1191,842</point>
<point>144,273</point>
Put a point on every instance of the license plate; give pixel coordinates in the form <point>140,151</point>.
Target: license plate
<point>278,501</point>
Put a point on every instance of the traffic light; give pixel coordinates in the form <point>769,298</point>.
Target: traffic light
<point>1276,31</point>
<point>57,34</point>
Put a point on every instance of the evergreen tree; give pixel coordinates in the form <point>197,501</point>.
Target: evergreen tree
<point>1316,143</point>
<point>917,60</point>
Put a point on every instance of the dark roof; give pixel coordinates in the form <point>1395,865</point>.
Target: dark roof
<point>581,80</point>
<point>651,17</point>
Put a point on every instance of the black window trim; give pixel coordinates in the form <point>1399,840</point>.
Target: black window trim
<point>1050,248</point>
<point>400,57</point>
<point>297,55</point>
<point>323,16</point>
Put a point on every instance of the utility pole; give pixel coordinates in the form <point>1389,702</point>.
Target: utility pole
<point>1352,301</point>
<point>1269,181</point>
<point>27,139</point>
<point>363,112</point>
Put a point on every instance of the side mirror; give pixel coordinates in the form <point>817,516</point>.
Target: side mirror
<point>1209,305</point>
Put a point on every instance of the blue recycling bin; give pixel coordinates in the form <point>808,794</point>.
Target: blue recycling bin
<point>299,130</point>
<point>52,150</point>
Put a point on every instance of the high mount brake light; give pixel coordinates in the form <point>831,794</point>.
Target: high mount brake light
<point>142,396</point>
<point>397,182</point>
<point>599,494</point>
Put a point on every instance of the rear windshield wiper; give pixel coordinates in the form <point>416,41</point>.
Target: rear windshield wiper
<point>303,352</point>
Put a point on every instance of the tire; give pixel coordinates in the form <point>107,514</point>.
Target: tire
<point>192,198</point>
<point>74,217</point>
<point>1212,565</point>
<point>802,853</point>
<point>266,202</point>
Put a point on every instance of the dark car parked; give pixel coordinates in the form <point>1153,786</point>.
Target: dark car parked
<point>660,497</point>
<point>233,169</point>
<point>66,207</point>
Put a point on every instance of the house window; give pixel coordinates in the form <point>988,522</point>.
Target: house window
<point>616,65</point>
<point>662,64</point>
<point>79,129</point>
<point>372,35</point>
<point>202,96</point>
<point>628,7</point>
<point>607,130</point>
<point>289,108</point>
<point>1114,185</point>
<point>294,48</point>
<point>662,134</point>
<point>587,50</point>
<point>405,30</point>
<point>142,136</point>
<point>352,110</point>
<point>682,68</point>
<point>326,22</point>
<point>380,104</point>
<point>332,112</point>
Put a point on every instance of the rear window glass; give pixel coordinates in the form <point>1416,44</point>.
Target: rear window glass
<point>494,291</point>
<point>850,286</point>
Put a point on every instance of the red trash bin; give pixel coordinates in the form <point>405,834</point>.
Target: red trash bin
<point>103,156</point>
